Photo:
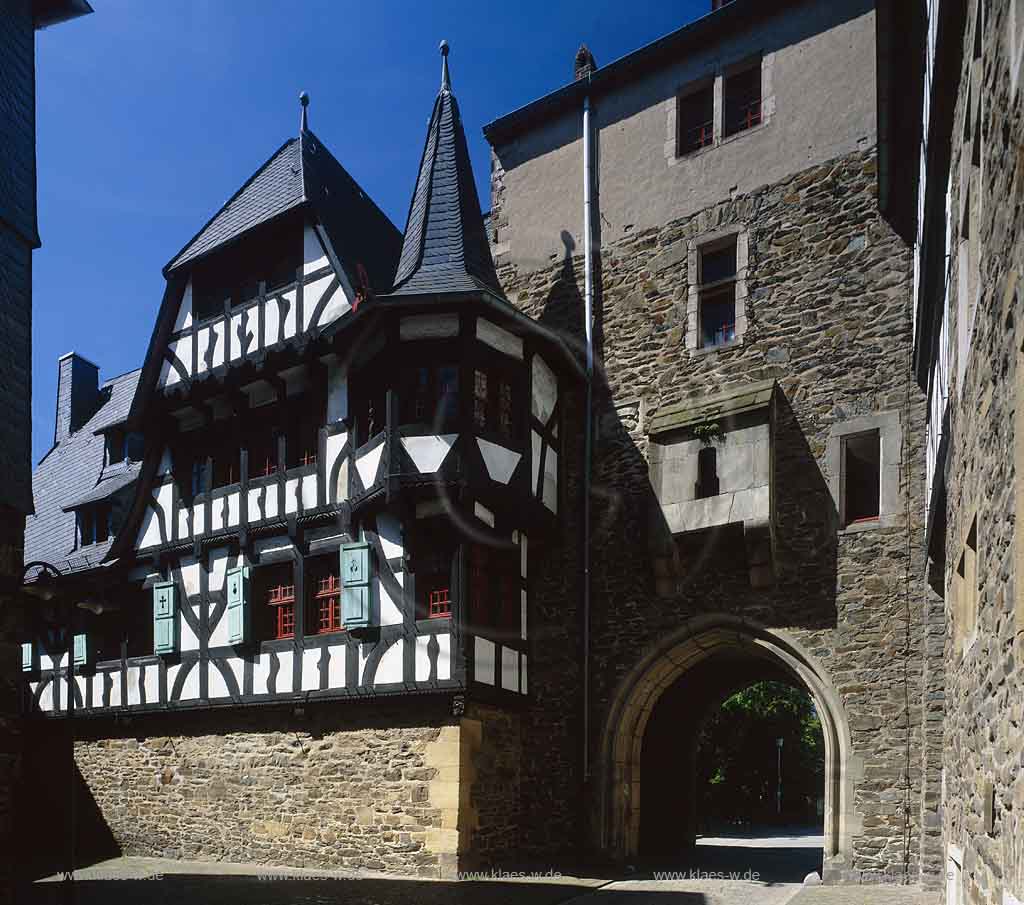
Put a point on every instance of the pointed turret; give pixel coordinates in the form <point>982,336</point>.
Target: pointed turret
<point>445,247</point>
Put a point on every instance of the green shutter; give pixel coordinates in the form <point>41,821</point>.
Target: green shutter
<point>165,618</point>
<point>27,656</point>
<point>81,650</point>
<point>355,594</point>
<point>238,605</point>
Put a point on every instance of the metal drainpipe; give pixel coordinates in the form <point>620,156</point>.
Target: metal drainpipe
<point>588,296</point>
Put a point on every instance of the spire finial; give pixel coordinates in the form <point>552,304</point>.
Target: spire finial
<point>446,83</point>
<point>304,121</point>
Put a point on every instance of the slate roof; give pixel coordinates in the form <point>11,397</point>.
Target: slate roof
<point>445,247</point>
<point>303,171</point>
<point>72,471</point>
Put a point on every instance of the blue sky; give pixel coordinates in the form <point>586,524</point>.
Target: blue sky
<point>150,115</point>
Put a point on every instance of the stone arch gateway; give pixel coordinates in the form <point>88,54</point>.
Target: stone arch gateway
<point>618,779</point>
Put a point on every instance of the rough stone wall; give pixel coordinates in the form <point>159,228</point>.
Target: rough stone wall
<point>829,318</point>
<point>337,788</point>
<point>984,742</point>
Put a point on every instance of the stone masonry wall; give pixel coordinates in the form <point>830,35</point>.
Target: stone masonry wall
<point>983,794</point>
<point>828,308</point>
<point>341,787</point>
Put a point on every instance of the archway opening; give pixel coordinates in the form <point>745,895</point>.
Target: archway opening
<point>651,763</point>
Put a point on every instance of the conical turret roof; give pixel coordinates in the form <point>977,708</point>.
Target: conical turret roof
<point>445,247</point>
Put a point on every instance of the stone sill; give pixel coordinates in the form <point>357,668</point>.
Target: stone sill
<point>708,350</point>
<point>883,521</point>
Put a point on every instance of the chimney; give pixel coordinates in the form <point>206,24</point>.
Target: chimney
<point>78,390</point>
<point>584,63</point>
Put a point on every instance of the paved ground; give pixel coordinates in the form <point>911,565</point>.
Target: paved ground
<point>723,871</point>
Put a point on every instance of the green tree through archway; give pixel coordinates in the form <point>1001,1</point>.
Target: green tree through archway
<point>738,760</point>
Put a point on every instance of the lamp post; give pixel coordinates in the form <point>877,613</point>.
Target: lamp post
<point>778,796</point>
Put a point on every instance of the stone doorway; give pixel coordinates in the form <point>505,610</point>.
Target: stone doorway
<point>701,665</point>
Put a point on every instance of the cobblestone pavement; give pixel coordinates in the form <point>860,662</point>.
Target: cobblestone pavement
<point>864,895</point>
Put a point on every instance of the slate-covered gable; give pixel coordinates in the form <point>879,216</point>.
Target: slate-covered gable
<point>72,473</point>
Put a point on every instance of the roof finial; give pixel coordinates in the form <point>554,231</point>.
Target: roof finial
<point>446,83</point>
<point>304,121</point>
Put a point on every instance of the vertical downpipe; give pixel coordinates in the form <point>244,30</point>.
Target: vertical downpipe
<point>588,296</point>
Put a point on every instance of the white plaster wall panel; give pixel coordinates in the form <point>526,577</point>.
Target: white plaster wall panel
<point>172,675</point>
<point>202,345</point>
<point>290,325</point>
<point>219,561</point>
<point>190,576</point>
<point>311,295</point>
<point>337,392</point>
<point>236,339</point>
<point>444,657</point>
<point>363,657</point>
<point>335,444</point>
<point>260,674</point>
<point>336,666</point>
<point>165,466</point>
<point>483,513</point>
<point>509,669</point>
<point>367,465</point>
<point>500,462</point>
<point>217,514</point>
<point>498,338</point>
<point>428,326</point>
<point>115,687</point>
<point>149,531</point>
<point>190,687</point>
<point>337,306</point>
<point>285,678</point>
<point>184,529</point>
<point>168,376</point>
<point>314,257</point>
<point>524,554</point>
<point>309,489</point>
<point>198,519</point>
<point>522,614</point>
<point>429,452</point>
<point>233,507</point>
<point>291,496</point>
<point>46,697</point>
<point>218,339</point>
<point>522,674</point>
<point>483,660</point>
<point>134,695</point>
<point>215,685</point>
<point>187,639</point>
<point>80,685</point>
<point>390,614</point>
<point>429,508</point>
<point>151,683</point>
<point>545,390</point>
<point>311,669</point>
<point>389,669</point>
<point>422,658</point>
<point>550,494</point>
<point>270,501</point>
<point>49,661</point>
<point>184,319</point>
<point>535,447</point>
<point>219,632</point>
<point>255,495</point>
<point>389,529</point>
<point>271,321</point>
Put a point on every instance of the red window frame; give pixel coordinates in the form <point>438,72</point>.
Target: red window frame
<point>282,598</point>
<point>328,604</point>
<point>439,603</point>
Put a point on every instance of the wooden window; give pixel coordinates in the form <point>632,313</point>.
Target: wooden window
<point>262,446</point>
<point>327,603</point>
<point>226,458</point>
<point>138,625</point>
<point>94,523</point>
<point>277,587</point>
<point>743,99</point>
<point>433,565</point>
<point>717,294</point>
<point>116,449</point>
<point>707,473</point>
<point>439,603</point>
<point>494,588</point>
<point>369,408</point>
<point>303,440</point>
<point>480,398</point>
<point>695,118</point>
<point>430,395</point>
<point>494,404</point>
<point>861,487</point>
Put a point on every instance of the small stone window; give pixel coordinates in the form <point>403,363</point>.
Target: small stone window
<point>862,469</point>
<point>742,99</point>
<point>707,473</point>
<point>696,119</point>
<point>717,277</point>
<point>863,461</point>
<point>965,592</point>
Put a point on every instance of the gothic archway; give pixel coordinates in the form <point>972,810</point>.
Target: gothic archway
<point>697,641</point>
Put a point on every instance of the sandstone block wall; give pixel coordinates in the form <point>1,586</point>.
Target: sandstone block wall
<point>828,312</point>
